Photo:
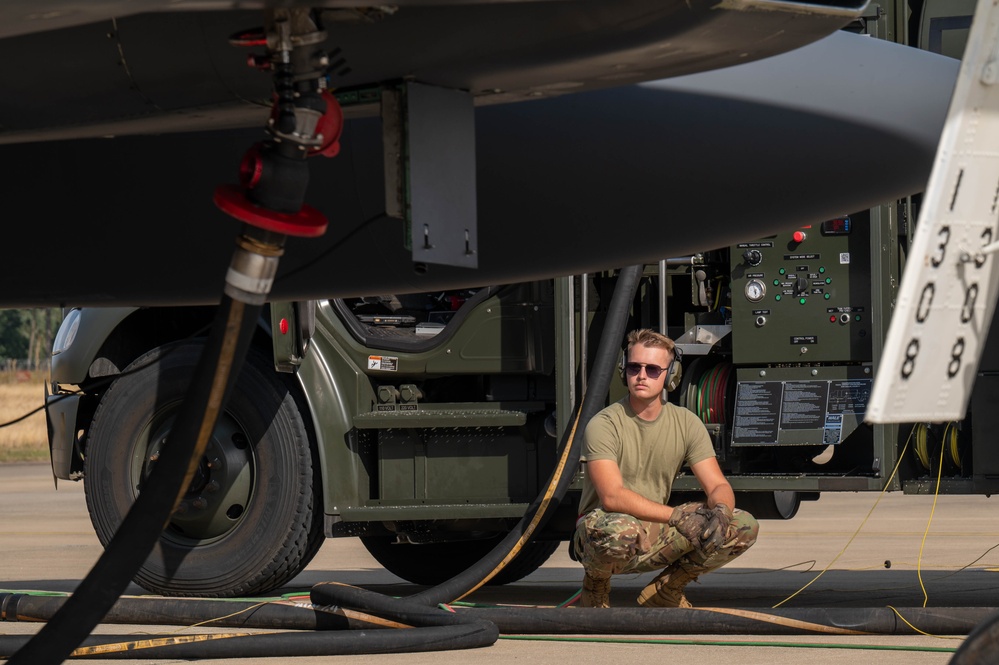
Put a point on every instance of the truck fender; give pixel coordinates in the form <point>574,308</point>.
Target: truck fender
<point>71,364</point>
<point>330,384</point>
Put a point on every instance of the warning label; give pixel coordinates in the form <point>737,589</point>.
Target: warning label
<point>384,363</point>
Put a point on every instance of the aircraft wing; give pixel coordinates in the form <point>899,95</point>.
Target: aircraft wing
<point>94,69</point>
<point>577,183</point>
<point>948,292</point>
<point>121,119</point>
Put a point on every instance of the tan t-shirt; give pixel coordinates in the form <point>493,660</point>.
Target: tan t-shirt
<point>649,453</point>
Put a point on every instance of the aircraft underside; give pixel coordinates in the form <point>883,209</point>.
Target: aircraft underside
<point>577,183</point>
<point>124,121</point>
<point>144,67</point>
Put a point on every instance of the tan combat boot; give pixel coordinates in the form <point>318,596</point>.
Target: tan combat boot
<point>596,592</point>
<point>666,590</point>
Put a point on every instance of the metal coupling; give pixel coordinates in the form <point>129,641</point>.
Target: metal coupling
<point>252,270</point>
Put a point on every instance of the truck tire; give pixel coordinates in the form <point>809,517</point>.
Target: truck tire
<point>250,520</point>
<point>780,505</point>
<point>433,563</point>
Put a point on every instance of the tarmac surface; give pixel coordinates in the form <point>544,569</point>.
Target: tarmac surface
<point>834,554</point>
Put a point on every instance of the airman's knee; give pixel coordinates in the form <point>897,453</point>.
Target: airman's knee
<point>609,539</point>
<point>746,529</point>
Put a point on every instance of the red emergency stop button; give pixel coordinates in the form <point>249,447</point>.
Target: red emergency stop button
<point>798,236</point>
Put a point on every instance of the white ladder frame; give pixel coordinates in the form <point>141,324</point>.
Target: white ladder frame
<point>950,284</point>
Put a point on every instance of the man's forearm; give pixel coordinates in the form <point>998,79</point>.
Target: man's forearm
<point>722,494</point>
<point>632,503</point>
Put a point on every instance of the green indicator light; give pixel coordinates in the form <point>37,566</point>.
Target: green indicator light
<point>777,297</point>
<point>858,317</point>
<point>802,300</point>
<point>826,296</point>
<point>776,282</point>
<point>821,270</point>
<point>782,271</point>
<point>828,280</point>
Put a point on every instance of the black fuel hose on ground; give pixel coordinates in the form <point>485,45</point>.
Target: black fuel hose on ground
<point>330,610</point>
<point>135,538</point>
<point>735,621</point>
<point>208,612</point>
<point>332,631</point>
<point>463,634</point>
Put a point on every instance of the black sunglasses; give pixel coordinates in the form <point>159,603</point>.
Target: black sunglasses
<point>652,371</point>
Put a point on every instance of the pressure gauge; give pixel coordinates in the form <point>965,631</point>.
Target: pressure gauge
<point>755,290</point>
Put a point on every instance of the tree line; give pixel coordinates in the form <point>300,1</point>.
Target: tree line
<point>26,337</point>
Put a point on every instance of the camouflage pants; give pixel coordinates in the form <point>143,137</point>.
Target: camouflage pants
<point>613,543</point>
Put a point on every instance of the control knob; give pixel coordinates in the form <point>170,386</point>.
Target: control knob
<point>753,257</point>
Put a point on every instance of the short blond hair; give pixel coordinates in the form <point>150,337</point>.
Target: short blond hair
<point>651,339</point>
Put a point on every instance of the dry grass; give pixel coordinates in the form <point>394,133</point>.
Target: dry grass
<point>27,440</point>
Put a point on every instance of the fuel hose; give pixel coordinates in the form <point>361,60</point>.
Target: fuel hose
<point>329,610</point>
<point>213,379</point>
<point>424,629</point>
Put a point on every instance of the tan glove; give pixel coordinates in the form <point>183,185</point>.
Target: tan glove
<point>691,520</point>
<point>717,521</point>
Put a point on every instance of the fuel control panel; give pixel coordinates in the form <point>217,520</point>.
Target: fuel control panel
<point>803,296</point>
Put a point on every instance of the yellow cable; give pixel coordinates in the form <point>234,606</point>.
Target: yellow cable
<point>921,447</point>
<point>921,632</point>
<point>919,561</point>
<point>880,496</point>
<point>951,441</point>
<point>227,616</point>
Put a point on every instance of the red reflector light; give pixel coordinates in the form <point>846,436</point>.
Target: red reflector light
<point>283,326</point>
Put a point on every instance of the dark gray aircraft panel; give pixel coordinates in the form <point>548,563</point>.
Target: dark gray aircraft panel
<point>176,70</point>
<point>579,183</point>
<point>170,107</point>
